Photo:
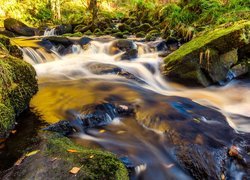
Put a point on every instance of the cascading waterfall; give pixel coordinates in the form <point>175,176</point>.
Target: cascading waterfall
<point>50,32</point>
<point>91,73</point>
<point>145,68</point>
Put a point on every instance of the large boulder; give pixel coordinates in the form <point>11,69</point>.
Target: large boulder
<point>208,58</point>
<point>127,46</point>
<point>18,27</point>
<point>63,29</point>
<point>18,85</point>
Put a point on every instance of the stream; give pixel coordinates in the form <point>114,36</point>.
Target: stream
<point>93,75</point>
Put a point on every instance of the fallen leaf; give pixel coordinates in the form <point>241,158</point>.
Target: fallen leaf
<point>233,151</point>
<point>91,156</point>
<point>223,177</point>
<point>102,131</point>
<point>74,170</point>
<point>120,132</point>
<point>72,151</point>
<point>19,161</point>
<point>13,132</point>
<point>32,153</point>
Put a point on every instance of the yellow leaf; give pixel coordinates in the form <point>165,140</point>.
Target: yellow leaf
<point>74,170</point>
<point>102,131</point>
<point>32,153</point>
<point>120,132</point>
<point>72,151</point>
<point>91,156</point>
<point>19,161</point>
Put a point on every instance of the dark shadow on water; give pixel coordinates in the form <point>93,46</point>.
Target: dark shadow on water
<point>24,138</point>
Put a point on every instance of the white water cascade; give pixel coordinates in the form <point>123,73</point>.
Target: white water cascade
<point>233,100</point>
<point>50,32</point>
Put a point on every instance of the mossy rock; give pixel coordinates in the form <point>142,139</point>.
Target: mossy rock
<point>119,35</point>
<point>77,34</point>
<point>124,27</point>
<point>18,27</point>
<point>202,60</point>
<point>12,49</point>
<point>17,85</point>
<point>88,33</point>
<point>140,34</point>
<point>144,27</point>
<point>54,161</point>
<point>7,119</point>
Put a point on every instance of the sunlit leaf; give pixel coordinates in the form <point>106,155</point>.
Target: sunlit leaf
<point>74,170</point>
<point>32,153</point>
<point>72,151</point>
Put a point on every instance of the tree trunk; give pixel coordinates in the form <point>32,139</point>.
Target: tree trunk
<point>55,8</point>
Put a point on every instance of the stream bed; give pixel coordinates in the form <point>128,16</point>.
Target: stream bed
<point>170,126</point>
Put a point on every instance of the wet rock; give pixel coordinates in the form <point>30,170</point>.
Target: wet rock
<point>58,40</point>
<point>51,158</point>
<point>7,33</point>
<point>206,59</point>
<point>46,44</point>
<point>93,115</point>
<point>200,137</point>
<point>127,46</point>
<point>98,68</point>
<point>239,69</point>
<point>63,29</point>
<point>84,40</point>
<point>18,27</point>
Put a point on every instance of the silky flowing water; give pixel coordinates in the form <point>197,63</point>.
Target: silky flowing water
<point>67,83</point>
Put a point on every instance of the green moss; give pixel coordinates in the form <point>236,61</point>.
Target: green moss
<point>88,33</point>
<point>17,85</point>
<point>7,119</point>
<point>77,34</point>
<point>95,164</point>
<point>208,39</point>
<point>119,35</point>
<point>140,34</point>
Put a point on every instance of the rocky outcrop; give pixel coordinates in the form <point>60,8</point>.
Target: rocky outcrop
<point>18,27</point>
<point>208,59</point>
<point>17,85</point>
